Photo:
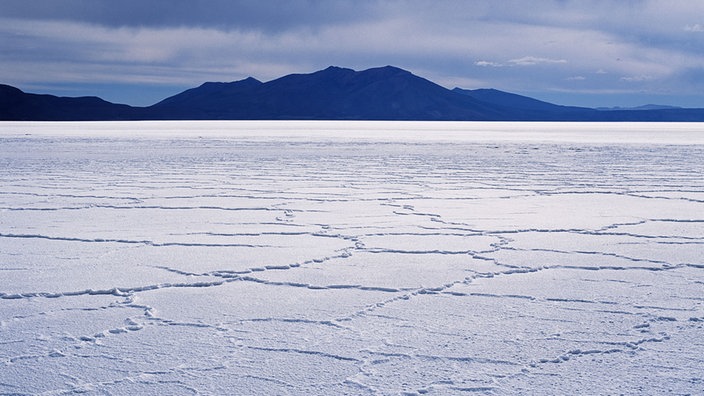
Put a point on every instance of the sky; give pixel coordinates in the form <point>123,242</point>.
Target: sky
<point>585,53</point>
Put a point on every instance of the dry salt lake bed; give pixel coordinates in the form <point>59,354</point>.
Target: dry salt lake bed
<point>334,258</point>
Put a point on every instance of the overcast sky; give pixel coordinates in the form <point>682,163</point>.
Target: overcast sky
<point>586,52</point>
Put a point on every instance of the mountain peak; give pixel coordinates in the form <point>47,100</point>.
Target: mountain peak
<point>248,82</point>
<point>387,71</point>
<point>390,68</point>
<point>379,71</point>
<point>336,68</point>
<point>251,80</point>
<point>334,71</point>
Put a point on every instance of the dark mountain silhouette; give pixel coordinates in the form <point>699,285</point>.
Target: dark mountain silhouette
<point>384,93</point>
<point>16,105</point>
<point>524,108</point>
<point>672,115</point>
<point>507,99</point>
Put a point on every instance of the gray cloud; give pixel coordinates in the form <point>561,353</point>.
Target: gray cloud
<point>221,14</point>
<point>539,46</point>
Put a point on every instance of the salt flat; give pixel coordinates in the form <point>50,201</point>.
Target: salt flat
<point>351,258</point>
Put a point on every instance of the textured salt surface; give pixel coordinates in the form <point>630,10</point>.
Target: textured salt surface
<point>268,261</point>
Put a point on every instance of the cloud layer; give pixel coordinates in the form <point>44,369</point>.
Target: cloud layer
<point>592,52</point>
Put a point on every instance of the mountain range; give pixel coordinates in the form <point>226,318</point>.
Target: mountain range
<point>383,93</point>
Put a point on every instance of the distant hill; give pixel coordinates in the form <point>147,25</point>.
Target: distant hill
<point>16,105</point>
<point>524,108</point>
<point>383,93</point>
<point>644,107</point>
